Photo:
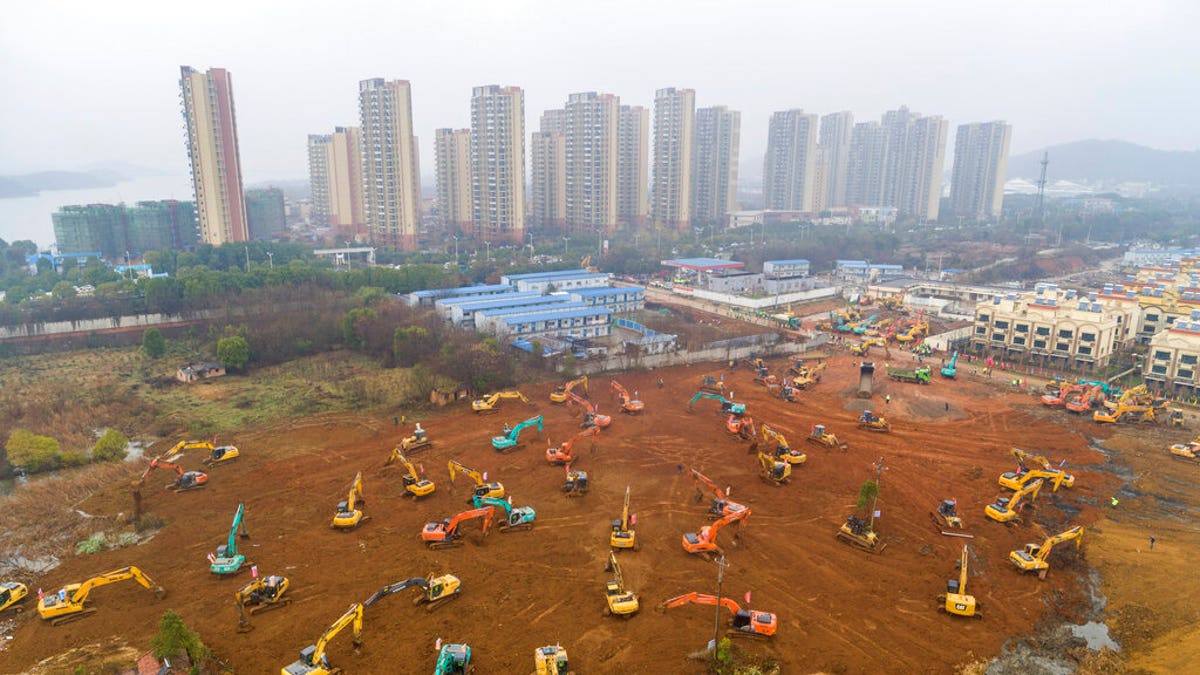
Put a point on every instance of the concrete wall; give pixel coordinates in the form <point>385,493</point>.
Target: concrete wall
<point>683,357</point>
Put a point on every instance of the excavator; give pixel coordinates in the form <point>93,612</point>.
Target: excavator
<point>482,488</point>
<point>227,559</point>
<point>1189,452</point>
<point>808,376</point>
<point>414,485</point>
<point>221,454</point>
<point>70,602</point>
<point>621,602</point>
<point>487,404</point>
<point>872,422</point>
<point>591,418</point>
<point>782,450</point>
<point>262,594</point>
<point>12,594</point>
<point>1132,414</point>
<point>446,533</point>
<point>417,441</point>
<point>629,405</point>
<point>565,453</point>
<point>1006,509</point>
<point>184,480</point>
<point>1059,397</point>
<point>863,348</point>
<point>515,518</point>
<point>704,542</point>
<point>1086,401</point>
<point>183,446</point>
<point>946,516</point>
<point>727,406</point>
<point>956,601</point>
<point>560,393</point>
<point>551,660</point>
<point>313,660</point>
<point>821,437</point>
<point>623,536</point>
<point>1033,558</point>
<point>741,426</point>
<point>576,484</point>
<point>348,515</point>
<point>721,506</point>
<point>1015,480</point>
<point>774,471</point>
<point>712,385</point>
<point>454,659</point>
<point>746,622</point>
<point>511,439</point>
<point>951,369</point>
<point>434,590</point>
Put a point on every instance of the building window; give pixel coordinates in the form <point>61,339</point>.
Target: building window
<point>1042,330</point>
<point>1022,328</point>
<point>984,317</point>
<point>1185,374</point>
<point>1001,325</point>
<point>1084,349</point>
<point>1018,340</point>
<point>1188,359</point>
<point>997,337</point>
<point>1159,370</point>
<point>1087,337</point>
<point>1067,334</point>
<point>981,330</point>
<point>1039,344</point>
<point>1062,347</point>
<point>1160,355</point>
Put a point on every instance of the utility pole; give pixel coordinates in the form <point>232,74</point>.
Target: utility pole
<point>721,565</point>
<point>247,258</point>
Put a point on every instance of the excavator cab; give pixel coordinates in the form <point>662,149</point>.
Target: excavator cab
<point>576,484</point>
<point>12,593</point>
<point>221,454</point>
<point>550,660</point>
<point>750,621</point>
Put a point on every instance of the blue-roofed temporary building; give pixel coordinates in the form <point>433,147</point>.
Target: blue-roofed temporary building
<point>431,296</point>
<point>587,322</point>
<point>616,298</point>
<point>461,313</point>
<point>561,280</point>
<point>482,316</point>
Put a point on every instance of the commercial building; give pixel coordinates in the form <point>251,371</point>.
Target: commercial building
<point>633,166</point>
<point>452,150</point>
<point>391,186</point>
<point>216,164</point>
<point>498,163</point>
<point>671,176</point>
<point>347,191</point>
<point>834,157</point>
<point>264,213</point>
<point>898,164</point>
<point>790,163</point>
<point>715,165</point>
<point>980,164</point>
<point>918,187</point>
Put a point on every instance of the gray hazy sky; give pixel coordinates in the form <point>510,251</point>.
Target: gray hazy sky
<point>88,82</point>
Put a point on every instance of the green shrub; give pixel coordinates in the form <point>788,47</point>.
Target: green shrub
<point>111,447</point>
<point>175,637</point>
<point>32,452</point>
<point>93,544</point>
<point>233,352</point>
<point>154,344</point>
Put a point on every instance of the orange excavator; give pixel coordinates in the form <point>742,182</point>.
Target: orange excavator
<point>446,533</point>
<point>721,505</point>
<point>591,418</point>
<point>628,404</point>
<point>184,480</point>
<point>1086,401</point>
<point>704,542</point>
<point>564,454</point>
<point>741,426</point>
<point>746,622</point>
<point>1055,399</point>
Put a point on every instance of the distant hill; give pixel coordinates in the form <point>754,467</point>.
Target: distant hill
<point>32,183</point>
<point>1110,161</point>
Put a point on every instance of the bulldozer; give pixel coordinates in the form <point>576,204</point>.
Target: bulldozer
<point>487,404</point>
<point>621,602</point>
<point>712,385</point>
<point>1175,418</point>
<point>434,590</point>
<point>821,437</point>
<point>70,602</point>
<point>482,488</point>
<point>746,622</point>
<point>511,440</point>
<point>565,453</point>
<point>227,559</point>
<point>414,485</point>
<point>348,516</point>
<point>704,542</point>
<point>515,518</point>
<point>623,536</point>
<point>1189,452</point>
<point>262,594</point>
<point>12,595</point>
<point>418,441</point>
<point>445,533</point>
<point>946,517</point>
<point>721,505</point>
<point>313,659</point>
<point>551,660</point>
<point>872,422</point>
<point>956,601</point>
<point>1033,558</point>
<point>629,405</point>
<point>860,533</point>
<point>559,395</point>
<point>1007,509</point>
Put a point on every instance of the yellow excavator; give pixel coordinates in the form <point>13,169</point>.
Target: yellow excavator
<point>70,602</point>
<point>560,394</point>
<point>348,515</point>
<point>262,594</point>
<point>413,483</point>
<point>1007,509</point>
<point>487,404</point>
<point>623,535</point>
<point>1015,480</point>
<point>551,660</point>
<point>772,470</point>
<point>482,488</point>
<point>1189,451</point>
<point>313,660</point>
<point>956,601</point>
<point>183,446</point>
<point>782,450</point>
<point>12,594</point>
<point>621,602</point>
<point>434,590</point>
<point>1033,558</point>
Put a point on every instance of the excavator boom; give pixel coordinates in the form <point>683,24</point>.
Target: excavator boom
<point>69,603</point>
<point>312,659</point>
<point>748,622</point>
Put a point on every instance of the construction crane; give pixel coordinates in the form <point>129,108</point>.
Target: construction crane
<point>741,426</point>
<point>721,505</point>
<point>262,594</point>
<point>591,418</point>
<point>434,590</point>
<point>446,533</point>
<point>414,485</point>
<point>551,660</point>
<point>1033,558</point>
<point>1015,480</point>
<point>515,518</point>
<point>482,488</point>
<point>453,659</point>
<point>487,404</point>
<point>629,404</point>
<point>871,422</point>
<point>621,601</point>
<point>623,536</point>
<point>417,441</point>
<point>70,602</point>
<point>727,406</point>
<point>956,601</point>
<point>951,369</point>
<point>819,436</point>
<point>559,395</point>
<point>565,453</point>
<point>184,480</point>
<point>12,594</point>
<point>746,622</point>
<point>1006,508</point>
<point>772,470</point>
<point>227,559</point>
<point>576,484</point>
<point>704,542</point>
<point>511,440</point>
<point>348,516</point>
<point>313,660</point>
<point>782,450</point>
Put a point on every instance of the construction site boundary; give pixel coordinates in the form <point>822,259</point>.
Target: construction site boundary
<point>709,354</point>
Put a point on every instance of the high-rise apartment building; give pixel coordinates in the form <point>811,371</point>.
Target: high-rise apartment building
<point>113,230</point>
<point>820,179</point>
<point>591,161</point>
<point>834,140</point>
<point>790,163</point>
<point>319,148</point>
<point>452,159</point>
<point>389,161</point>
<point>671,177</point>
<point>548,197</point>
<point>867,163</point>
<point>498,162</point>
<point>633,162</point>
<point>980,164</point>
<point>347,191</point>
<point>213,150</point>
<point>715,165</point>
<point>920,191</point>
<point>265,213</point>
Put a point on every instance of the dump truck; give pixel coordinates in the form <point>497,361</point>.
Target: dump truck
<point>917,375</point>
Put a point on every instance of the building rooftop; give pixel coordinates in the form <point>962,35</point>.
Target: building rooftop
<point>795,261</point>
<point>550,276</point>
<point>462,290</point>
<point>556,314</point>
<point>531,309</point>
<point>505,300</point>
<point>703,263</point>
<point>605,290</point>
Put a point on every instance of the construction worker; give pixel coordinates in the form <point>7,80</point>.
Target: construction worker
<point>887,398</point>
<point>1115,501</point>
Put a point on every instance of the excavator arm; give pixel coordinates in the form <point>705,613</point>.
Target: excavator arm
<point>81,594</point>
<point>1075,533</point>
<point>456,468</point>
<point>486,514</point>
<point>395,588</point>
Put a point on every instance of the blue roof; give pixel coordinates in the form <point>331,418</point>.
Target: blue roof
<point>561,274</point>
<point>796,261</point>
<point>512,293</point>
<point>462,290</point>
<point>852,263</point>
<point>702,263</point>
<point>529,309</point>
<point>555,314</point>
<point>509,300</point>
<point>605,290</point>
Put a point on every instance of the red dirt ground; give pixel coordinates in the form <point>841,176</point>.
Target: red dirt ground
<point>840,609</point>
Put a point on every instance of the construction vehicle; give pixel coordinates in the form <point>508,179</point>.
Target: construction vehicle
<point>262,594</point>
<point>783,391</point>
<point>892,302</point>
<point>576,484</point>
<point>1059,397</point>
<point>621,602</point>
<point>227,559</point>
<point>313,660</point>
<point>629,405</point>
<point>712,385</point>
<point>221,454</point>
<point>434,590</point>
<point>951,369</point>
<point>1006,509</point>
<point>741,426</point>
<point>863,348</point>
<point>565,453</point>
<point>727,406</point>
<point>1033,558</point>
<point>586,263</point>
<point>511,440</point>
<point>808,376</point>
<point>1132,414</point>
<point>872,422</point>
<point>348,515</point>
<point>1048,470</point>
<point>772,470</point>
<point>183,446</point>
<point>70,602</point>
<point>782,450</point>
<point>866,379</point>
<point>919,375</point>
<point>1087,400</point>
<point>746,622</point>
<point>956,601</point>
<point>184,480</point>
<point>12,594</point>
<point>1189,451</point>
<point>763,376</point>
<point>454,659</point>
<point>1015,480</point>
<point>1175,418</point>
<point>1134,396</point>
<point>623,535</point>
<point>559,395</point>
<point>704,542</point>
<point>866,325</point>
<point>821,437</point>
<point>482,488</point>
<point>721,505</point>
<point>487,404</point>
<point>858,532</point>
<point>946,516</point>
<point>515,518</point>
<point>591,418</point>
<point>414,485</point>
<point>417,441</point>
<point>550,660</point>
<point>445,533</point>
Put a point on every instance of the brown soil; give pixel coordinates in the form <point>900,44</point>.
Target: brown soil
<point>840,609</point>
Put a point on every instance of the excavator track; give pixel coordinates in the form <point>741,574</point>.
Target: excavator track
<point>71,618</point>
<point>859,544</point>
<point>505,529</point>
<point>266,607</point>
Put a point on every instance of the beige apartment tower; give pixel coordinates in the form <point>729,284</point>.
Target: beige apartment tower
<point>452,149</point>
<point>389,163</point>
<point>834,142</point>
<point>216,165</point>
<point>498,163</point>
<point>319,146</point>
<point>980,164</point>
<point>347,208</point>
<point>671,176</point>
<point>547,193</point>
<point>633,166</point>
<point>789,168</point>
<point>867,162</point>
<point>591,161</point>
<point>715,165</point>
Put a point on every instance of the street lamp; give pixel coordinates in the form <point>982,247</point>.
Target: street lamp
<point>271,259</point>
<point>488,244</point>
<point>566,241</point>
<point>456,250</point>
